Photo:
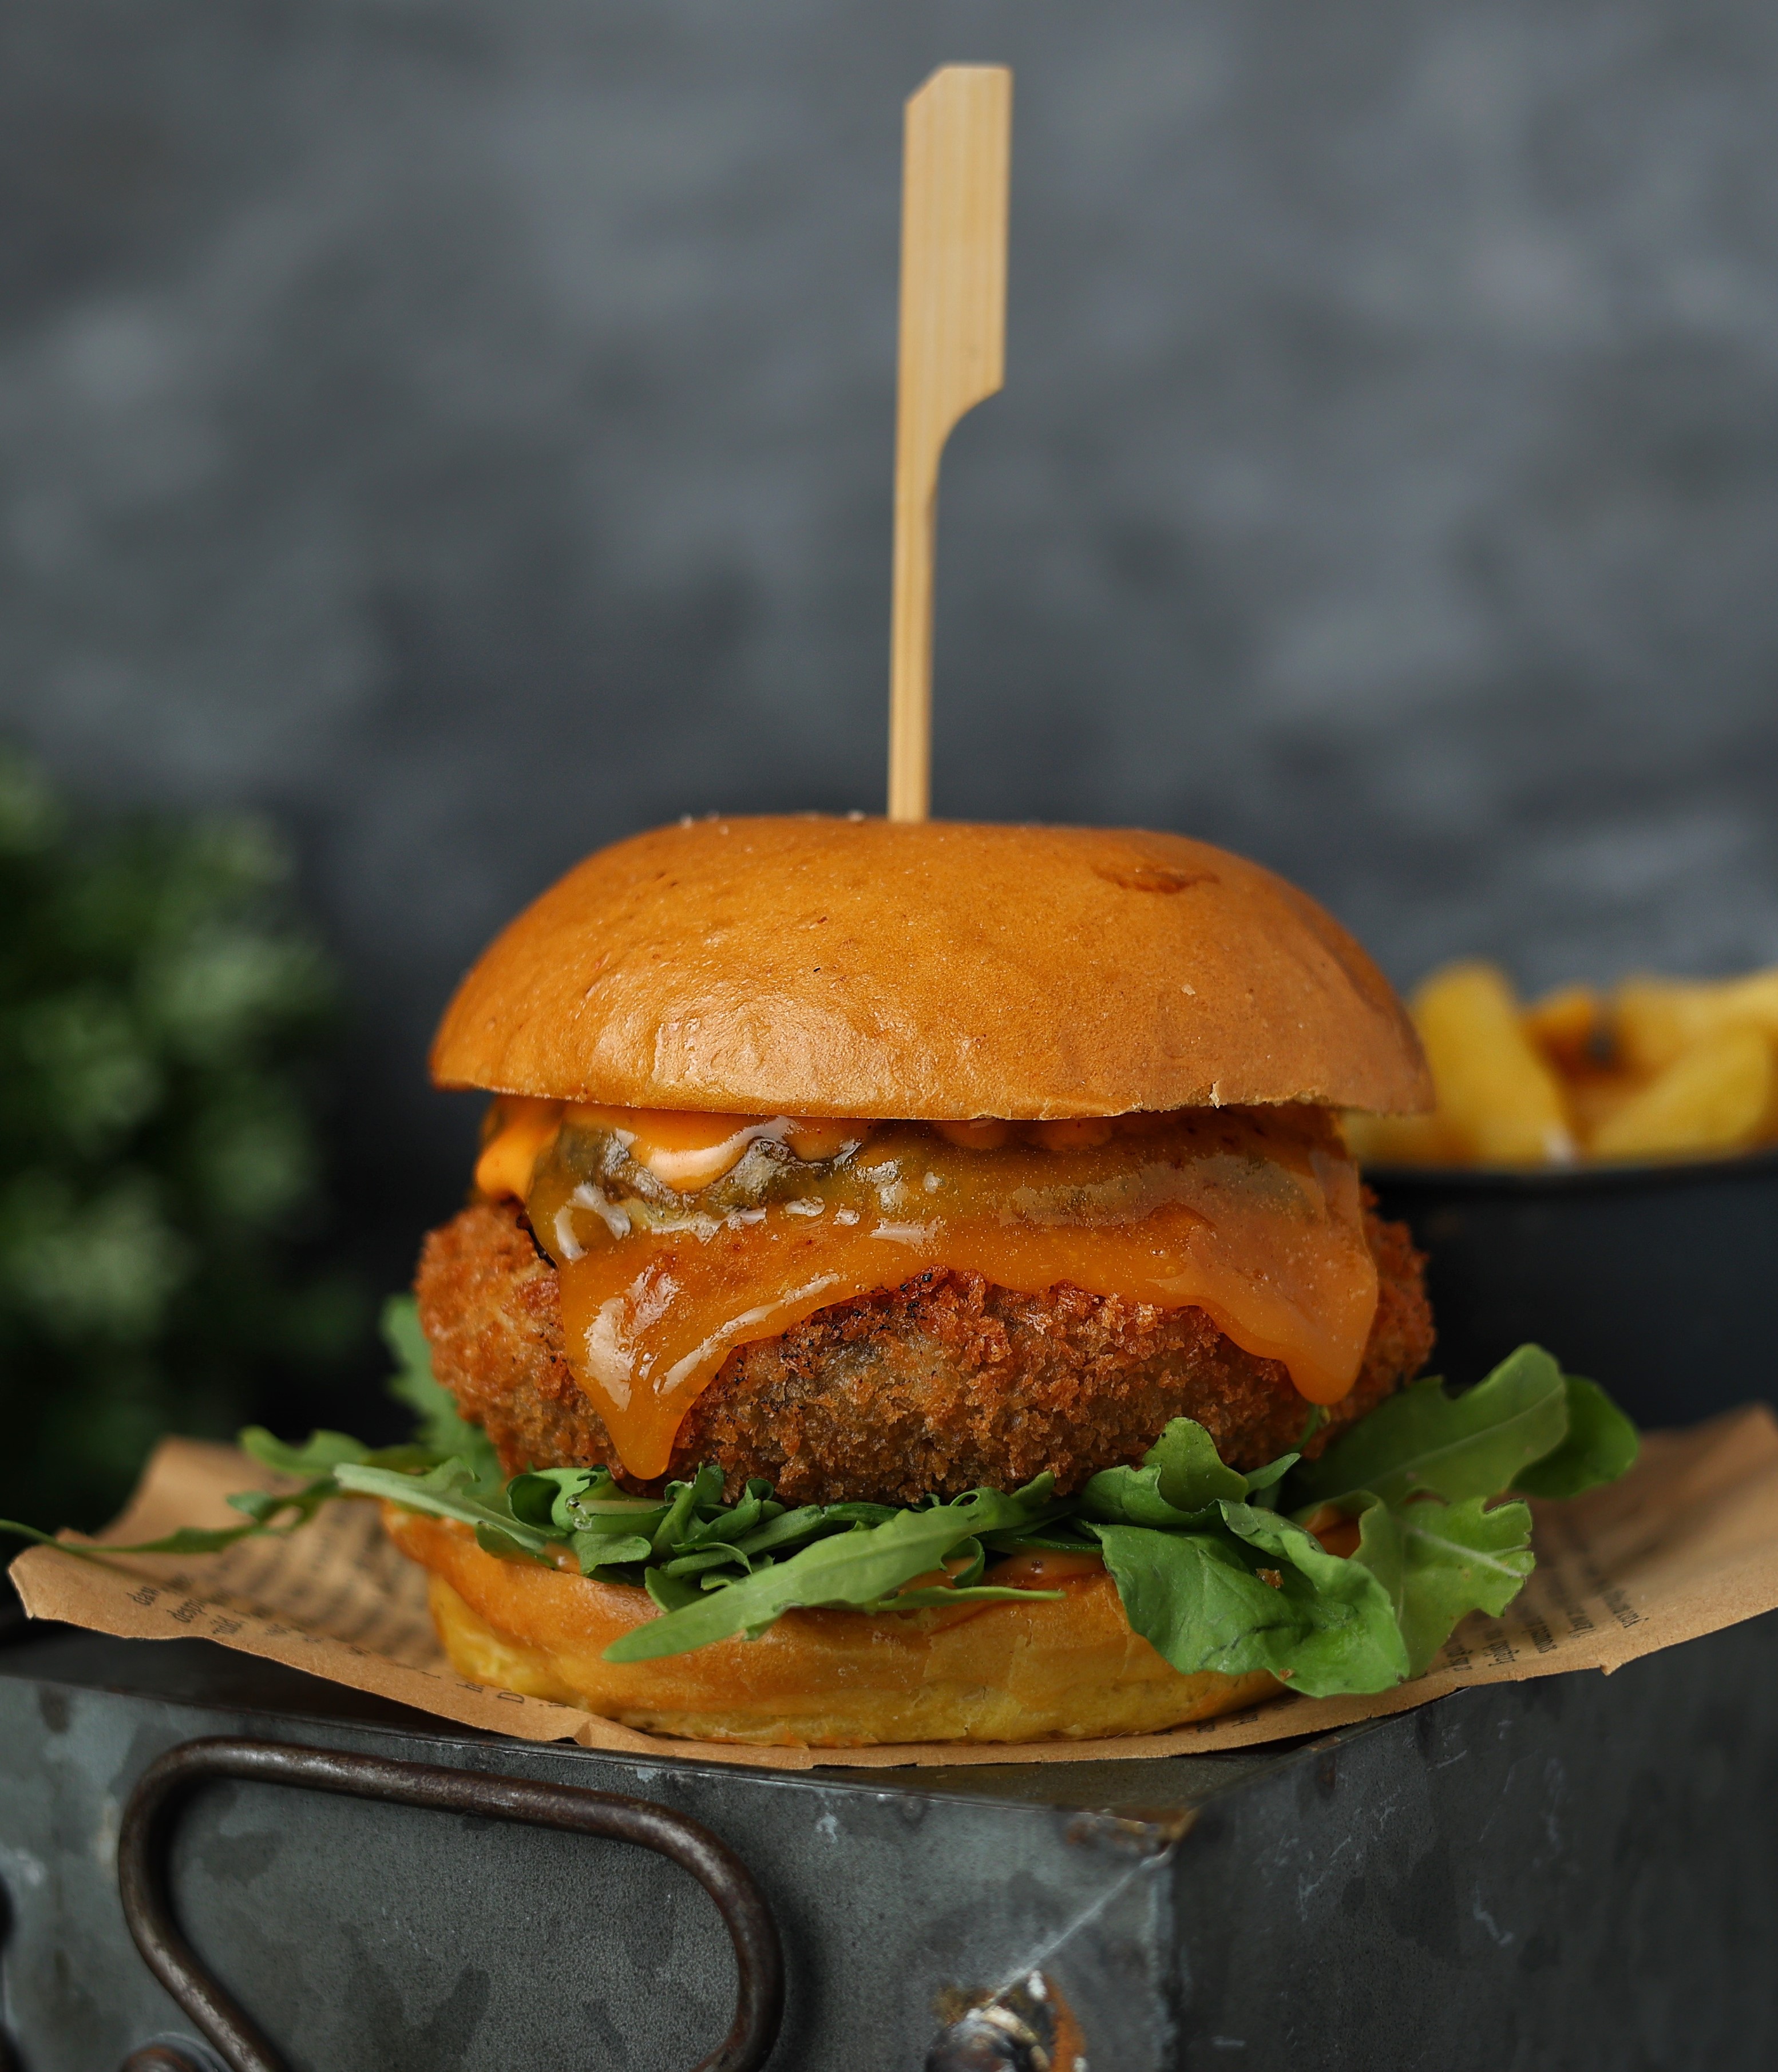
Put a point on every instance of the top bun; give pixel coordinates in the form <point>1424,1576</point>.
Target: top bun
<point>930,970</point>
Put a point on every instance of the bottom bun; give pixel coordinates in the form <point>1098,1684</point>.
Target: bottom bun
<point>1056,1669</point>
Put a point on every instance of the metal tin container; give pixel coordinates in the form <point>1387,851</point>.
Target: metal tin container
<point>1572,1874</point>
<point>1652,1279</point>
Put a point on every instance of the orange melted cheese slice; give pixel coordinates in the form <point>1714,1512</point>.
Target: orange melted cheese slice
<point>1252,1217</point>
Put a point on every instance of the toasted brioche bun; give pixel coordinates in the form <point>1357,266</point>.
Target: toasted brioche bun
<point>1067,1669</point>
<point>931,971</point>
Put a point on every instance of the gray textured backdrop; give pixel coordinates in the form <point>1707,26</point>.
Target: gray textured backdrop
<point>464,429</point>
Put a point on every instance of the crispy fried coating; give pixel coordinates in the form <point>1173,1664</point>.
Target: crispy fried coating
<point>946,1383</point>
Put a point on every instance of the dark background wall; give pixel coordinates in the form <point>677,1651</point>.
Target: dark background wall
<point>463,430</point>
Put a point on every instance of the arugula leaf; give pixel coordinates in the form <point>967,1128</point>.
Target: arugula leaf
<point>1439,1562</point>
<point>1262,1479</point>
<point>813,1521</point>
<point>536,1496</point>
<point>1188,1471</point>
<point>319,1454</point>
<point>684,1501</point>
<point>1067,1536</point>
<point>672,1593</point>
<point>1192,1590</point>
<point>322,1452</point>
<point>596,1552</point>
<point>267,1512</point>
<point>443,1432</point>
<point>639,1524</point>
<point>701,1558</point>
<point>1132,1496</point>
<point>1181,1479</point>
<point>588,1501</point>
<point>273,1510</point>
<point>1474,1445</point>
<point>501,1541</point>
<point>187,1539</point>
<point>755,1509</point>
<point>1601,1444</point>
<point>860,1567</point>
<point>1318,1623</point>
<point>959,1593</point>
<point>449,1491</point>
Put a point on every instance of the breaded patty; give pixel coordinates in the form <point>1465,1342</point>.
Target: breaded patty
<point>945,1384</point>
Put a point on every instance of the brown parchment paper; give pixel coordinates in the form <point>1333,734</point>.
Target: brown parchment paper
<point>1686,1543</point>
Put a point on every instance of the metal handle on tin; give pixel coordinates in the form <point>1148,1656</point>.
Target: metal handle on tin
<point>156,1803</point>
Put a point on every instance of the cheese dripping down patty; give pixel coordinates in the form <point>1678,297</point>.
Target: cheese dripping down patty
<point>678,1237</point>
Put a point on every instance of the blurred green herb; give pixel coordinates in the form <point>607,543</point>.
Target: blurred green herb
<point>162,1017</point>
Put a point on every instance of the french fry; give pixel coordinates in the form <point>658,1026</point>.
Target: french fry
<point>1662,1068</point>
<point>1501,1101</point>
<point>1717,1095</point>
<point>1655,1020</point>
<point>1595,1098</point>
<point>1570,1028</point>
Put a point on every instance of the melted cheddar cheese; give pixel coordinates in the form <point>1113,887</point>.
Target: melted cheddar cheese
<point>678,1237</point>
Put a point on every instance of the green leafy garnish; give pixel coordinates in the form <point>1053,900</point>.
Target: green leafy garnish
<point>266,1513</point>
<point>1476,1444</point>
<point>441,1432</point>
<point>1437,1562</point>
<point>1258,1593</point>
<point>1216,1568</point>
<point>1182,1483</point>
<point>1600,1444</point>
<point>865,1566</point>
<point>444,1437</point>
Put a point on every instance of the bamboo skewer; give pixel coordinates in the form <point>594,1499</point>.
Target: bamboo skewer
<point>958,150</point>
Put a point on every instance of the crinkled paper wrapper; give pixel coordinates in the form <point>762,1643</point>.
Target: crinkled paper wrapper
<point>1685,1544</point>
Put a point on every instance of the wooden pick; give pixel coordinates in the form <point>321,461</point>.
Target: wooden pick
<point>957,151</point>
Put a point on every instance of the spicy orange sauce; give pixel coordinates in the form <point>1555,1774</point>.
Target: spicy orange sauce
<point>1253,1216</point>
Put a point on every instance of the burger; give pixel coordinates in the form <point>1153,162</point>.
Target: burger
<point>915,1287</point>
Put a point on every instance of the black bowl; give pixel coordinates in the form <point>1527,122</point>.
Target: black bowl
<point>1657,1281</point>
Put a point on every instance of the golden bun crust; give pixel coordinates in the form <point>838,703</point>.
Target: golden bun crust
<point>935,971</point>
<point>1066,1669</point>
